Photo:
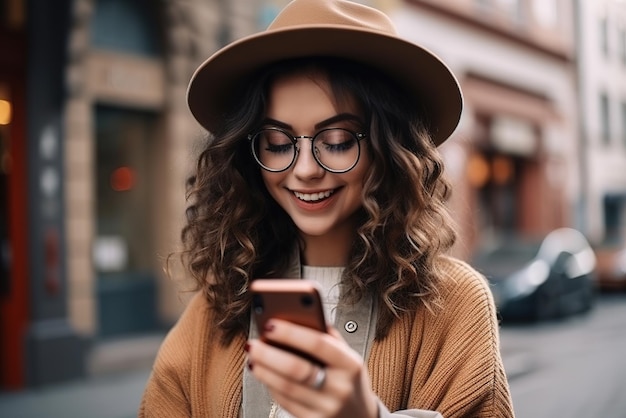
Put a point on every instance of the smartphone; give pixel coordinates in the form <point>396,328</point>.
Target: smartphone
<point>294,300</point>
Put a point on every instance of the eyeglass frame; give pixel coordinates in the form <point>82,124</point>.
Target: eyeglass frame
<point>294,140</point>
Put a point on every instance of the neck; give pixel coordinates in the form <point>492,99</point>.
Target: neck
<point>330,250</point>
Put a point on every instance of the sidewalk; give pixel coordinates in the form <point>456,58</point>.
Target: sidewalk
<point>117,374</point>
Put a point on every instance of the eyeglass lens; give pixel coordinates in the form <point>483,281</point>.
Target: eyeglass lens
<point>334,149</point>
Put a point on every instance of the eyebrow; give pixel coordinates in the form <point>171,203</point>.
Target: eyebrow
<point>323,124</point>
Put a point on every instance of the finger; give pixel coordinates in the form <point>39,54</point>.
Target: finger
<point>330,350</point>
<point>282,362</point>
<point>334,332</point>
<point>297,408</point>
<point>299,398</point>
<point>318,378</point>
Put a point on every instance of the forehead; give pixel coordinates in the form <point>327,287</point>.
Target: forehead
<point>308,92</point>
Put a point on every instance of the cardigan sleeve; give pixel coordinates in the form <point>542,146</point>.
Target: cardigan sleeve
<point>167,392</point>
<point>466,376</point>
<point>446,359</point>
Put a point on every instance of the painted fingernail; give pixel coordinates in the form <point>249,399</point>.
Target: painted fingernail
<point>250,366</point>
<point>269,326</point>
<point>246,347</point>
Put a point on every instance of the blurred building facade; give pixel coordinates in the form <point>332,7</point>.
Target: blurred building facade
<point>514,159</point>
<point>601,48</point>
<point>130,139</point>
<point>93,171</point>
<point>126,141</point>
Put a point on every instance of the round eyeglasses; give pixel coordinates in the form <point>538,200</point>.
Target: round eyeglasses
<point>335,149</point>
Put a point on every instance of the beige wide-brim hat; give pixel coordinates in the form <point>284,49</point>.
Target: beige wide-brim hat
<point>331,28</point>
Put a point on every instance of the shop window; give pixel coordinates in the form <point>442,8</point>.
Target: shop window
<point>124,253</point>
<point>127,26</point>
<point>497,181</point>
<point>124,200</point>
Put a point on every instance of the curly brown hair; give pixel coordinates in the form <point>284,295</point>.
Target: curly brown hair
<point>235,231</point>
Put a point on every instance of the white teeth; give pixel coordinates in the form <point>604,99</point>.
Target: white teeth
<point>313,197</point>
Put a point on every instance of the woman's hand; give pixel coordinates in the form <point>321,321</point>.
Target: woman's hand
<point>345,389</point>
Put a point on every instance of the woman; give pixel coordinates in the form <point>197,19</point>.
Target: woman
<point>322,164</point>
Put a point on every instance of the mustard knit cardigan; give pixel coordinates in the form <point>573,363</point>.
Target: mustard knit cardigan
<point>447,361</point>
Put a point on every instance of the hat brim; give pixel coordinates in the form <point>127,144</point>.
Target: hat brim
<point>426,78</point>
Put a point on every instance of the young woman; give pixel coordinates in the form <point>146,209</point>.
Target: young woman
<point>322,164</point>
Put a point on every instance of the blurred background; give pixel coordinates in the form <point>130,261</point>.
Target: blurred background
<point>96,142</point>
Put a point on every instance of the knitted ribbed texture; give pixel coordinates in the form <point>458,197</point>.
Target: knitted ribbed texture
<point>446,361</point>
<point>193,375</point>
<point>451,363</point>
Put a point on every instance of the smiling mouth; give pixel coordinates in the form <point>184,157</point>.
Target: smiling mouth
<point>313,197</point>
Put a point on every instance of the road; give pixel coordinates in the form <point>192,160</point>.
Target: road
<point>573,367</point>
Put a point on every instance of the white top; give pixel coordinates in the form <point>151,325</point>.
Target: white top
<point>328,278</point>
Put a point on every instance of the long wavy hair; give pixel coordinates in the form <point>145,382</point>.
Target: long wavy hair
<point>236,232</point>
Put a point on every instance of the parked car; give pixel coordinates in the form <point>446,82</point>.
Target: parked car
<point>538,280</point>
<point>611,268</point>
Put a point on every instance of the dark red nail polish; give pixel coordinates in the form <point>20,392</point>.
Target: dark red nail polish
<point>250,366</point>
<point>246,347</point>
<point>269,326</point>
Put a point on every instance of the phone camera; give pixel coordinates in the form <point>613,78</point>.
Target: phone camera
<point>306,300</point>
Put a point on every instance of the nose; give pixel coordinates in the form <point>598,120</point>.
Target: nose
<point>305,166</point>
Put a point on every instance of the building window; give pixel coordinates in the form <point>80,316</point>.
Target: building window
<point>624,123</point>
<point>605,119</point>
<point>127,26</point>
<point>622,36</point>
<point>604,36</point>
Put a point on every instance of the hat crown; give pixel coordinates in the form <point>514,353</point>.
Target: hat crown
<point>332,12</point>
<point>328,28</point>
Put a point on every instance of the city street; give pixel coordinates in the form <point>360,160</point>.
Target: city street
<point>117,144</point>
<point>572,368</point>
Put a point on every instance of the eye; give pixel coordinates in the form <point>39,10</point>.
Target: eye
<point>336,140</point>
<point>279,149</point>
<point>274,141</point>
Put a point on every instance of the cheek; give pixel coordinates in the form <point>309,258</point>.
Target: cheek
<point>362,170</point>
<point>271,182</point>
<point>268,178</point>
